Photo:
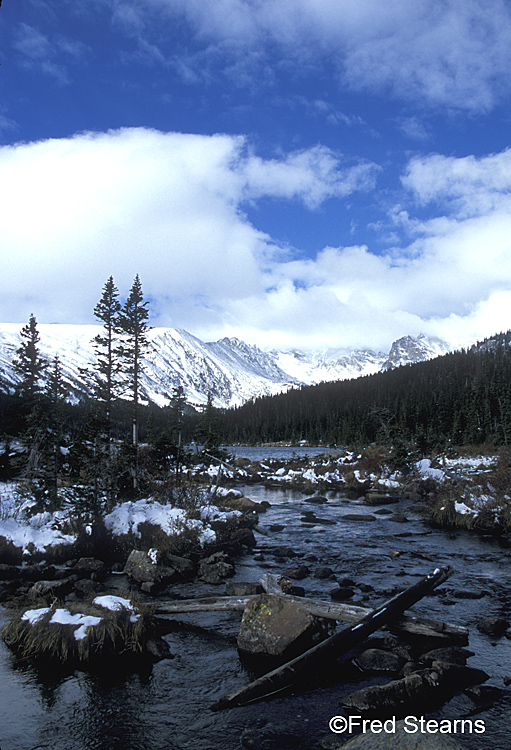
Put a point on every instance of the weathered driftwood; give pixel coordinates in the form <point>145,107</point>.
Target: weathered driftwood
<point>204,604</point>
<point>335,646</point>
<point>417,626</point>
<point>350,613</point>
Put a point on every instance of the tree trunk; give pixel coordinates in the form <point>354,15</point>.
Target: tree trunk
<point>335,646</point>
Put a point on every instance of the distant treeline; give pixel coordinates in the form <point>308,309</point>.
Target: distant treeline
<point>460,398</point>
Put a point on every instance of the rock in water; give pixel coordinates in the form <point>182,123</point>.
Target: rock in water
<point>275,627</point>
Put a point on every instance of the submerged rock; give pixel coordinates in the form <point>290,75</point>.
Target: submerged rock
<point>377,660</point>
<point>496,626</point>
<point>436,684</point>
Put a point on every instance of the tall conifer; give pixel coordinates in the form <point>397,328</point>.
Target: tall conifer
<point>133,323</point>
<point>108,351</point>
<point>29,363</point>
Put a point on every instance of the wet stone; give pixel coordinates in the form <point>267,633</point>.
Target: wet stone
<point>377,660</point>
<point>298,573</point>
<point>495,626</point>
<point>365,517</point>
<point>323,572</point>
<point>484,693</point>
<point>341,594</point>
<point>450,654</point>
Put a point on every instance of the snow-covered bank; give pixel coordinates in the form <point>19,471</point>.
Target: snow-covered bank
<point>35,532</point>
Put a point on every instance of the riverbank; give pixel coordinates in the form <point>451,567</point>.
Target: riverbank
<point>301,535</point>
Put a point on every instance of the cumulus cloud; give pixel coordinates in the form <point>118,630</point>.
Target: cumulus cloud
<point>165,205</point>
<point>171,207</point>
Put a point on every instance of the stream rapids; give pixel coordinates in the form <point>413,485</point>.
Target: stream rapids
<point>166,706</point>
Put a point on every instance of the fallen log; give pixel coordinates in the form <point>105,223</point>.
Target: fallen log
<point>335,646</point>
<point>417,626</point>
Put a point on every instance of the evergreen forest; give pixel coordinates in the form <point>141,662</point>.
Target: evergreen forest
<point>114,444</point>
<point>460,398</point>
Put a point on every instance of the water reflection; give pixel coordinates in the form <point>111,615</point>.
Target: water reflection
<point>166,707</point>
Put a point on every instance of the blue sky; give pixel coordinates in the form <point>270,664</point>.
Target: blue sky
<point>299,173</point>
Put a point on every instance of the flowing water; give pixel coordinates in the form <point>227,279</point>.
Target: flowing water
<point>166,706</point>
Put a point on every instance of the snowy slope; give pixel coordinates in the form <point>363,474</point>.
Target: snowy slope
<point>408,350</point>
<point>230,369</point>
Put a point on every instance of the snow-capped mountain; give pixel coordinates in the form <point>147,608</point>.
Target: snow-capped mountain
<point>410,349</point>
<point>231,370</point>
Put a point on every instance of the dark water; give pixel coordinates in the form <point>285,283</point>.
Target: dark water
<point>167,707</point>
<point>285,452</point>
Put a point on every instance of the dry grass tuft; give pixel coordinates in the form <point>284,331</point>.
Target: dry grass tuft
<point>117,633</point>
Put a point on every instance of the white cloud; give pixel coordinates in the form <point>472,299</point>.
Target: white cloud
<point>170,207</point>
<point>455,53</point>
<point>50,55</point>
<point>165,205</point>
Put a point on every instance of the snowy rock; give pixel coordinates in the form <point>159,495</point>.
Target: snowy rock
<point>141,567</point>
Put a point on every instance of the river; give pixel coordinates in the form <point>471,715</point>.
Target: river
<point>166,707</point>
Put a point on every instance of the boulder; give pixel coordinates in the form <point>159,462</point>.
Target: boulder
<point>439,682</point>
<point>158,649</point>
<point>309,516</point>
<point>50,590</point>
<point>341,594</point>
<point>377,660</point>
<point>298,573</point>
<point>318,499</point>
<point>142,567</point>
<point>496,626</point>
<point>216,568</point>
<point>273,626</point>
<point>89,567</point>
<point>245,537</point>
<point>323,572</point>
<point>245,504</point>
<point>184,567</point>
<point>380,498</point>
<point>84,588</point>
<point>283,552</point>
<point>450,654</point>
<point>484,693</point>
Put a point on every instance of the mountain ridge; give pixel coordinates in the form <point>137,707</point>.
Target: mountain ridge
<point>230,369</point>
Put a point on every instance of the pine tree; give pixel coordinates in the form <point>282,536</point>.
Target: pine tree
<point>55,392</point>
<point>207,430</point>
<point>133,323</point>
<point>108,352</point>
<point>29,363</point>
<point>177,408</point>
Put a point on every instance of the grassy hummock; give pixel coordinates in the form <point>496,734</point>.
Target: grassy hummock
<point>83,633</point>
